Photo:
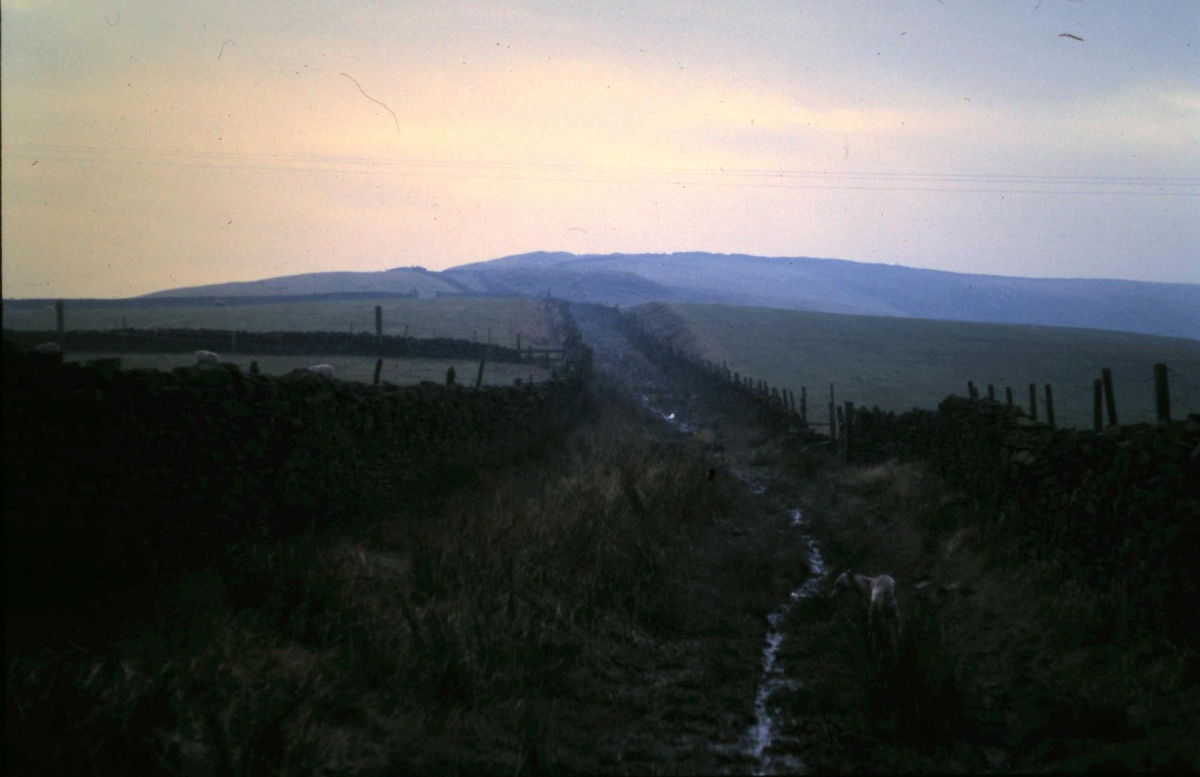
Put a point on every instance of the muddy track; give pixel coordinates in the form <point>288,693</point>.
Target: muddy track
<point>733,726</point>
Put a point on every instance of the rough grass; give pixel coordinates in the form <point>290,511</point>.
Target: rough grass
<point>1001,666</point>
<point>464,318</point>
<point>899,364</point>
<point>525,624</point>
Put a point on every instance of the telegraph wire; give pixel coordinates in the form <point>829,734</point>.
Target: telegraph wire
<point>950,186</point>
<point>320,163</point>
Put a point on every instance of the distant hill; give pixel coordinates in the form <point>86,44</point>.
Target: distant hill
<point>839,286</point>
<point>400,280</point>
<point>796,283</point>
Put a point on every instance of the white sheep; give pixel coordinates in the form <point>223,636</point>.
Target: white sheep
<point>322,369</point>
<point>883,613</point>
<point>48,348</point>
<point>207,357</point>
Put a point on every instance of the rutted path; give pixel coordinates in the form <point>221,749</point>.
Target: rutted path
<point>759,738</point>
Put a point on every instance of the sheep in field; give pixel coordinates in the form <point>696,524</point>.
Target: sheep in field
<point>48,348</point>
<point>883,614</point>
<point>322,369</point>
<point>207,357</point>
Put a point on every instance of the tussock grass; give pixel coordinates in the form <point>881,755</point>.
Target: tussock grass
<point>452,638</point>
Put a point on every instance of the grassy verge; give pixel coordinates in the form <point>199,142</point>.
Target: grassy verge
<point>569,613</point>
<point>1002,666</point>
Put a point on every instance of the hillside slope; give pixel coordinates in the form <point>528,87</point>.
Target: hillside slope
<point>400,280</point>
<point>899,363</point>
<point>838,286</point>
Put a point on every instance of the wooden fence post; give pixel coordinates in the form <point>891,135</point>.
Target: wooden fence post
<point>848,431</point>
<point>804,405</point>
<point>1008,396</point>
<point>1162,393</point>
<point>842,429</point>
<point>1109,400</point>
<point>737,378</point>
<point>378,331</point>
<point>450,375</point>
<point>59,327</point>
<point>832,416</point>
<point>1049,406</point>
<point>479,377</point>
<point>991,392</point>
<point>378,370</point>
<point>1097,405</point>
<point>972,392</point>
<point>1033,401</point>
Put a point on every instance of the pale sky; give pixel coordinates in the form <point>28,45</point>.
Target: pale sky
<point>149,145</point>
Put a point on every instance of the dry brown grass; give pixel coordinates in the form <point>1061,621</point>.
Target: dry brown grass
<point>479,637</point>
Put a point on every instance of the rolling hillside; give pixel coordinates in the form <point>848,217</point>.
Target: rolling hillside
<point>837,286</point>
<point>797,283</point>
<point>400,280</point>
<point>898,364</point>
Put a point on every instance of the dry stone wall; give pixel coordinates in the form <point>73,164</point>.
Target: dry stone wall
<point>1119,509</point>
<point>220,341</point>
<point>107,470</point>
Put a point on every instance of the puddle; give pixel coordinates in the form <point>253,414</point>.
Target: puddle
<point>763,734</point>
<point>756,483</point>
<point>670,418</point>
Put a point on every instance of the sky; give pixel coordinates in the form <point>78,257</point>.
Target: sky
<point>150,145</point>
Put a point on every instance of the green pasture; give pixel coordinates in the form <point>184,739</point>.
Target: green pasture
<point>901,363</point>
<point>458,317</point>
<point>358,368</point>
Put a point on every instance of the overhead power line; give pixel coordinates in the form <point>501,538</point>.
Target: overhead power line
<point>615,174</point>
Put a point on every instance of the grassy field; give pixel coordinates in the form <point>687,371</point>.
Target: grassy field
<point>459,317</point>
<point>361,368</point>
<point>899,363</point>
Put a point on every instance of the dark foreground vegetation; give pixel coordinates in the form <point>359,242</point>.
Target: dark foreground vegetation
<point>1008,662</point>
<point>560,613</point>
<point>598,604</point>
